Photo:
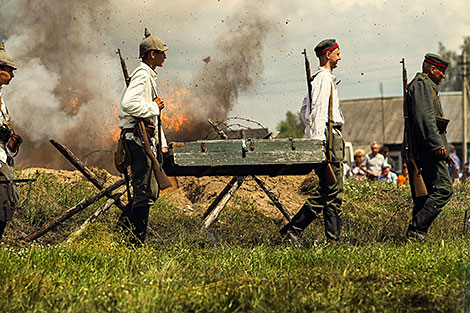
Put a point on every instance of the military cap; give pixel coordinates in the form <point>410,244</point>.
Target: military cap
<point>436,60</point>
<point>5,59</point>
<point>150,43</point>
<point>325,45</point>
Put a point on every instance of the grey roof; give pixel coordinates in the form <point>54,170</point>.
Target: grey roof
<point>363,119</point>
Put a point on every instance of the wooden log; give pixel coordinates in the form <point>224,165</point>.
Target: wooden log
<point>224,199</point>
<point>79,207</point>
<point>273,197</point>
<point>102,209</point>
<point>70,156</point>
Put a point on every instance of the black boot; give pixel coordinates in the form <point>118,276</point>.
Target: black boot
<point>299,222</point>
<point>422,221</point>
<point>2,228</point>
<point>123,223</point>
<point>332,227</point>
<point>139,219</point>
<point>289,231</point>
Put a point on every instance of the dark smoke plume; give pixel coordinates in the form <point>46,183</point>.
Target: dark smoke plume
<point>236,64</point>
<point>69,82</point>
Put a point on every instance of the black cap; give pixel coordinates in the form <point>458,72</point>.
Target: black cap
<point>325,45</point>
<point>436,60</point>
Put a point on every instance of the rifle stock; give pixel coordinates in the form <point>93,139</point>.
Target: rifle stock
<point>416,177</point>
<point>162,179</point>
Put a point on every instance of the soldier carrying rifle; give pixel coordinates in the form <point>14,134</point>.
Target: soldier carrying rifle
<point>323,119</point>
<point>139,115</point>
<point>425,138</point>
<point>9,145</point>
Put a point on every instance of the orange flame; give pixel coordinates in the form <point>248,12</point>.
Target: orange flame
<point>114,134</point>
<point>74,100</point>
<point>172,117</point>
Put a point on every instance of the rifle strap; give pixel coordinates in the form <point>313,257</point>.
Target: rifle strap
<point>330,127</point>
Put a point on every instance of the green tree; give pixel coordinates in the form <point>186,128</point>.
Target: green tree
<point>453,81</point>
<point>292,126</point>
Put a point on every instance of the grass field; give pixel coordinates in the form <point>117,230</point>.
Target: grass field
<point>242,265</point>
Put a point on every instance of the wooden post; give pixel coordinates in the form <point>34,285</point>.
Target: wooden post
<point>273,198</point>
<point>224,196</point>
<point>79,207</point>
<point>85,170</point>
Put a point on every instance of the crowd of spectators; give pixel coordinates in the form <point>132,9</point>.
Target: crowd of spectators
<point>377,165</point>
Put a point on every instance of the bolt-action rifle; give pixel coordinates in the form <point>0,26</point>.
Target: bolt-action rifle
<point>162,179</point>
<point>326,170</point>
<point>418,182</point>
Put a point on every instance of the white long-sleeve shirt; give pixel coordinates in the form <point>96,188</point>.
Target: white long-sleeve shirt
<point>137,101</point>
<point>315,117</point>
<point>5,117</point>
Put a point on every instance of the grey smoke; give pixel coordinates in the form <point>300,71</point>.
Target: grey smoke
<point>65,50</point>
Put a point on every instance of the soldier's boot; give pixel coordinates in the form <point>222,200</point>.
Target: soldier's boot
<point>289,231</point>
<point>123,224</point>
<point>418,229</point>
<point>139,219</point>
<point>332,227</point>
<point>2,228</point>
<point>299,222</point>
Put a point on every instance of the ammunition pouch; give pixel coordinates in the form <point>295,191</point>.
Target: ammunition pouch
<point>149,129</point>
<point>122,156</point>
<point>441,124</point>
<point>14,143</point>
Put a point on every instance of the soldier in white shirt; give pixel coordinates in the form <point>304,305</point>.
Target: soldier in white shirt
<point>9,197</point>
<point>140,100</point>
<point>326,198</point>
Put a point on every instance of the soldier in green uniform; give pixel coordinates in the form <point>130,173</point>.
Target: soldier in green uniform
<point>323,107</point>
<point>9,197</point>
<point>429,140</point>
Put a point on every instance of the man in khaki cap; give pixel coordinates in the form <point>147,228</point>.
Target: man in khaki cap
<point>9,197</point>
<point>140,100</point>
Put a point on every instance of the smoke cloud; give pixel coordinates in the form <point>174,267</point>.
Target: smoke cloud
<point>69,82</point>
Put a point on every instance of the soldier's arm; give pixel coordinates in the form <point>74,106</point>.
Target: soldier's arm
<point>424,114</point>
<point>132,101</point>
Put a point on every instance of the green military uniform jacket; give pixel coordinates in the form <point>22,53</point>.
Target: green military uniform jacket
<point>423,107</point>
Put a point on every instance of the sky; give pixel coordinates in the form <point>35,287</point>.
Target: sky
<point>373,37</point>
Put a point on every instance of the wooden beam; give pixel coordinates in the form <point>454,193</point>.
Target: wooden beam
<point>71,212</point>
<point>70,156</point>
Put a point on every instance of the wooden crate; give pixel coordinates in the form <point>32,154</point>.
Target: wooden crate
<point>237,157</point>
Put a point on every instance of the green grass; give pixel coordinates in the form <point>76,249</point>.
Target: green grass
<point>250,268</point>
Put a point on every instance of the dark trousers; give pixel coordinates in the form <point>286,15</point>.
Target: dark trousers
<point>2,228</point>
<point>325,198</point>
<point>439,185</point>
<point>134,218</point>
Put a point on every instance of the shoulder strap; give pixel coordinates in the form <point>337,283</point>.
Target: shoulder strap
<point>434,99</point>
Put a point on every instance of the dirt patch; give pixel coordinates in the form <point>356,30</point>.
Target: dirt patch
<point>196,194</point>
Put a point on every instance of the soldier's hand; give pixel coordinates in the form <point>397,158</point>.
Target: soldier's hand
<point>164,149</point>
<point>441,152</point>
<point>160,102</point>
